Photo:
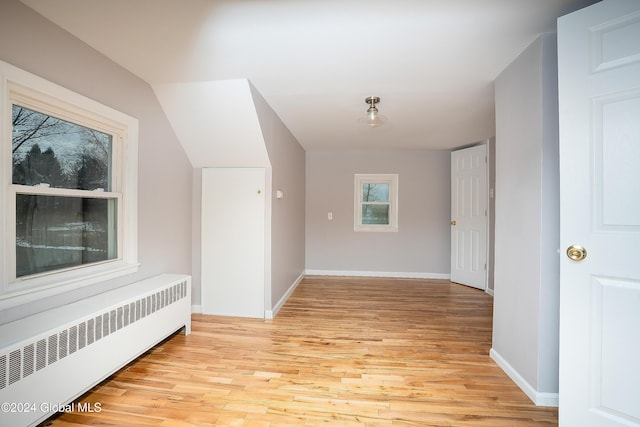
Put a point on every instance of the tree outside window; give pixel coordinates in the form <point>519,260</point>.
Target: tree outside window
<point>62,224</point>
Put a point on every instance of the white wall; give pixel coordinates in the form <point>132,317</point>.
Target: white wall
<point>216,122</point>
<point>270,145</point>
<point>34,44</point>
<point>224,132</point>
<point>422,243</point>
<point>525,326</point>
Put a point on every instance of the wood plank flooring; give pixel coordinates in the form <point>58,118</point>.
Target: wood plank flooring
<point>341,352</point>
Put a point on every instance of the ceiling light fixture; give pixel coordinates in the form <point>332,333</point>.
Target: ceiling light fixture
<point>373,118</point>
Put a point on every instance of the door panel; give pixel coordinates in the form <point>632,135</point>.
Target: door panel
<point>615,307</point>
<point>469,216</point>
<point>233,230</point>
<point>617,126</point>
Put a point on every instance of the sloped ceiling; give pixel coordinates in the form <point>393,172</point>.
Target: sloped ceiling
<point>235,140</point>
<point>432,62</point>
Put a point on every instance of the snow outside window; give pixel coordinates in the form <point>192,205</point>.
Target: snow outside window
<point>69,203</point>
<point>376,202</point>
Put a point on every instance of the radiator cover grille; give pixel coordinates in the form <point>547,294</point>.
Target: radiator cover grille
<point>45,351</point>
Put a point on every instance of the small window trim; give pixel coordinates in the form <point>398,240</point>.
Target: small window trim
<point>359,180</point>
<point>47,97</point>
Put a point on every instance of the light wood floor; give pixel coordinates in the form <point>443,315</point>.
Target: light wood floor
<point>341,352</point>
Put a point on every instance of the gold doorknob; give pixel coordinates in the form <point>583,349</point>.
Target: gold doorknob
<point>576,253</point>
<point>453,222</point>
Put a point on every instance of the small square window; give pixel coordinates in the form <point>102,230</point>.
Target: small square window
<point>376,202</point>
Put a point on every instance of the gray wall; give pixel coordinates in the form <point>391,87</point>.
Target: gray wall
<point>36,45</point>
<point>287,159</point>
<point>525,321</point>
<point>491,147</point>
<point>422,243</point>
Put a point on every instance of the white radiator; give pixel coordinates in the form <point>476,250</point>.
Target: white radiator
<point>49,359</point>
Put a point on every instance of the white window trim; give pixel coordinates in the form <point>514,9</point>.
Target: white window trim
<point>18,292</point>
<point>359,180</point>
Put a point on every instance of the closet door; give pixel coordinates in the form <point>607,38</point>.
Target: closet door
<point>233,238</point>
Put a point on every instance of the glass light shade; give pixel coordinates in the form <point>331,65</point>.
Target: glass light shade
<point>374,119</point>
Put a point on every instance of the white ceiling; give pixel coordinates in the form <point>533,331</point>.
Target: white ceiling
<point>432,62</point>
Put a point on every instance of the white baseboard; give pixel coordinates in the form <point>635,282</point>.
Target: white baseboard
<point>270,314</point>
<point>489,291</point>
<point>394,274</point>
<point>539,398</point>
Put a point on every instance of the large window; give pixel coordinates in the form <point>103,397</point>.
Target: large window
<point>376,202</point>
<point>69,194</point>
<point>65,208</point>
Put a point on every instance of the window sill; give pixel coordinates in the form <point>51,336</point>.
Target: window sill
<point>48,285</point>
<point>385,229</point>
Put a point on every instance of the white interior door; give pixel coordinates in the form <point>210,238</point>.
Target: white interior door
<point>599,89</point>
<point>233,238</point>
<point>469,216</point>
